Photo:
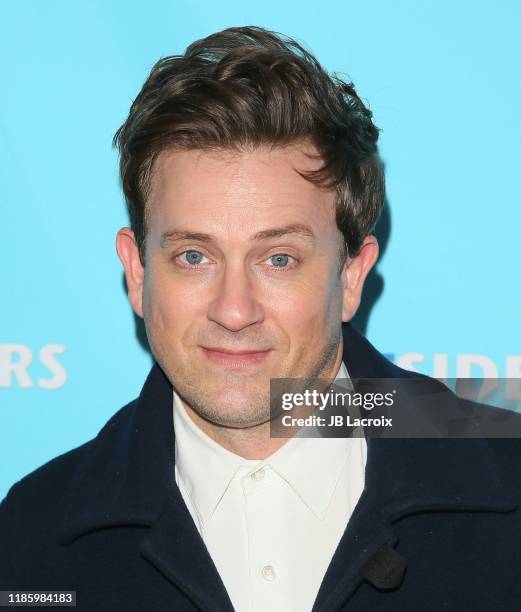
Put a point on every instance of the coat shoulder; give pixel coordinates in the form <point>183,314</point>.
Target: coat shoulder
<point>31,508</point>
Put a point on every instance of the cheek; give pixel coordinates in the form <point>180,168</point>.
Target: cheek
<point>310,313</point>
<point>166,310</point>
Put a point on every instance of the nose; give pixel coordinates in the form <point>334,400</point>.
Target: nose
<point>235,305</point>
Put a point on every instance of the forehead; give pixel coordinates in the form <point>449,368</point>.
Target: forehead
<point>239,190</point>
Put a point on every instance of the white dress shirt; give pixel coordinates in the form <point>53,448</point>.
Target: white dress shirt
<point>271,526</point>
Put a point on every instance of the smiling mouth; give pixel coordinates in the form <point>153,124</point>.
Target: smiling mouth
<point>238,359</point>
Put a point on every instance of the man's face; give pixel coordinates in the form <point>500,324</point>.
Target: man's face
<point>242,254</point>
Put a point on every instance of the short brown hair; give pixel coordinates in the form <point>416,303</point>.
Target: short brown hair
<point>248,86</point>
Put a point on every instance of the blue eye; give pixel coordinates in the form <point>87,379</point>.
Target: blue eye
<point>193,257</point>
<point>280,260</point>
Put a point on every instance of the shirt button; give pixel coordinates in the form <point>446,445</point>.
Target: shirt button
<point>268,573</point>
<point>258,475</point>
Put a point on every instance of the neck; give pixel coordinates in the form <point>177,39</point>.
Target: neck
<point>249,443</point>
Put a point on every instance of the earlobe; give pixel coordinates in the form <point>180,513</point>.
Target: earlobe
<point>128,253</point>
<point>354,274</point>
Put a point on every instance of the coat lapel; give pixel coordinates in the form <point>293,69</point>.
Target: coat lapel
<point>366,532</point>
<point>403,476</point>
<point>127,478</point>
<point>174,546</point>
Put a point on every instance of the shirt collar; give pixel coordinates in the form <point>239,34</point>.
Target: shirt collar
<point>204,467</point>
<point>310,466</point>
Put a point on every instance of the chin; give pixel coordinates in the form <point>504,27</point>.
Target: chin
<point>238,421</point>
<point>233,409</point>
<point>239,406</point>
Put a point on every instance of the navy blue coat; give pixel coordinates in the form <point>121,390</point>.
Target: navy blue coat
<point>108,521</point>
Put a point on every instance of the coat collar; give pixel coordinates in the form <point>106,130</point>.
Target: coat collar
<point>405,475</point>
<point>126,477</point>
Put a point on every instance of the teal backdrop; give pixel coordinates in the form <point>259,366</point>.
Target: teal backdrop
<point>443,81</point>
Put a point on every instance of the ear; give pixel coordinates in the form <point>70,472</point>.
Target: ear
<point>354,273</point>
<point>128,253</point>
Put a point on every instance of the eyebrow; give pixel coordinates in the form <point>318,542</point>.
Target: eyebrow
<point>173,236</point>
